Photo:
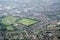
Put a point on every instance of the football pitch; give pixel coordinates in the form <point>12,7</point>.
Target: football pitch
<point>27,21</point>
<point>9,20</point>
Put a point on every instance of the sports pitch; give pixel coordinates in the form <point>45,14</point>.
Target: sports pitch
<point>27,21</point>
<point>9,20</point>
<point>24,21</point>
<point>10,28</point>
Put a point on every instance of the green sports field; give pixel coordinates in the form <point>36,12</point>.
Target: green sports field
<point>27,21</point>
<point>9,20</point>
<point>10,28</point>
<point>24,21</point>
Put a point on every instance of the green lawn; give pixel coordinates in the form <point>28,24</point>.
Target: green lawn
<point>12,20</point>
<point>10,28</point>
<point>9,20</point>
<point>27,21</point>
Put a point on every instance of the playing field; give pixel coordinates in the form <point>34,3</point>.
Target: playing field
<point>10,28</point>
<point>24,21</point>
<point>9,20</point>
<point>27,21</point>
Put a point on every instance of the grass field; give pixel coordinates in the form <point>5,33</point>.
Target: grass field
<point>27,21</point>
<point>9,20</point>
<point>10,28</point>
<point>24,21</point>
